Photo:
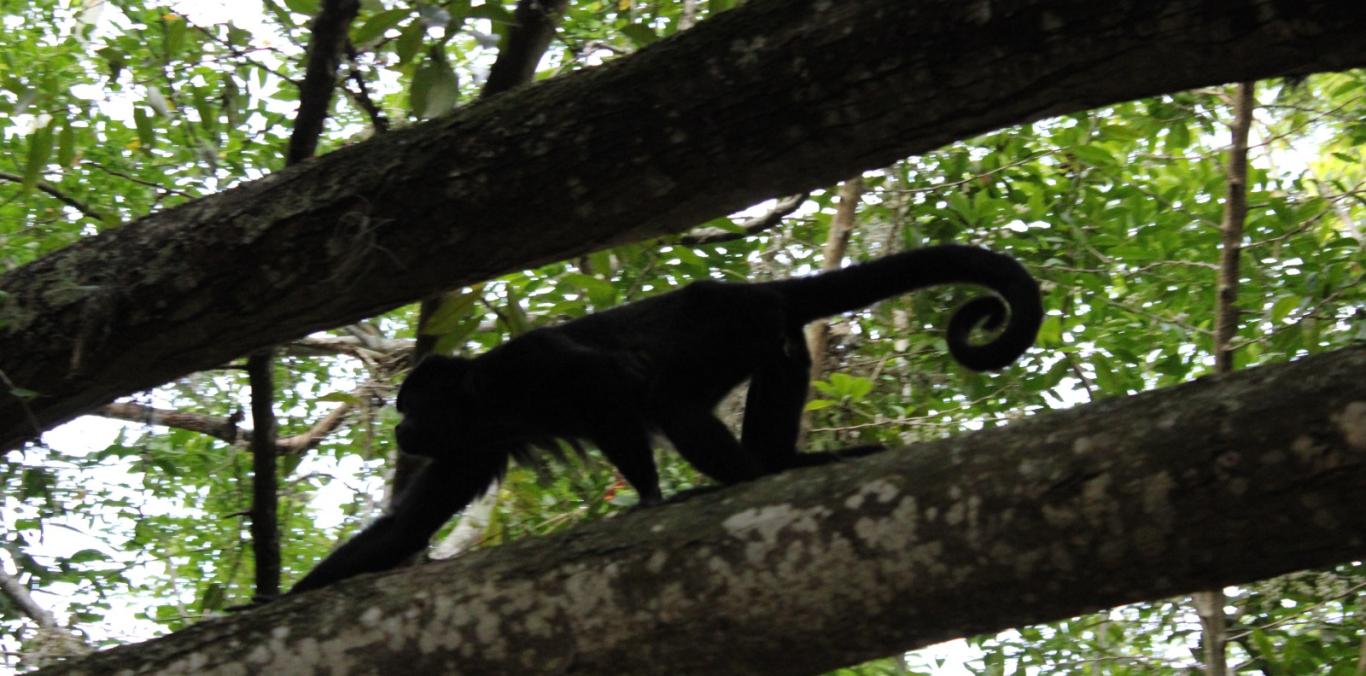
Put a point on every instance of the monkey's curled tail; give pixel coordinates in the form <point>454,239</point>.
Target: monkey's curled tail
<point>862,285</point>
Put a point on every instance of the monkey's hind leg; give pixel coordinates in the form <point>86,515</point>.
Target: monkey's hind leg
<point>705,442</point>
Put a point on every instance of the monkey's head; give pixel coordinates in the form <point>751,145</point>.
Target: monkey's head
<point>444,415</point>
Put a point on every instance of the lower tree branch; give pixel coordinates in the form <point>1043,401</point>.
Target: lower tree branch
<point>1221,481</point>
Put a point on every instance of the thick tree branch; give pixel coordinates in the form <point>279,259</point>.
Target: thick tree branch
<point>623,152</point>
<point>1220,481</point>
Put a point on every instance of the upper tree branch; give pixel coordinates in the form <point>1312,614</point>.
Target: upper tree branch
<point>641,146</point>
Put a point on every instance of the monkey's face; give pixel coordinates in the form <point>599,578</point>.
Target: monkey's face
<point>443,414</point>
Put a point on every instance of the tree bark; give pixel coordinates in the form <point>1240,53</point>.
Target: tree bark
<point>1220,481</point>
<point>774,97</point>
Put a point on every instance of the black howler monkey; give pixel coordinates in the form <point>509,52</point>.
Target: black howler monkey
<point>659,365</point>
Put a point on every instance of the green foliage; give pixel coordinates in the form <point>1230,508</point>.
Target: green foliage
<point>107,118</point>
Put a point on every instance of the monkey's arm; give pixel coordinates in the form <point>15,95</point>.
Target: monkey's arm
<point>419,510</point>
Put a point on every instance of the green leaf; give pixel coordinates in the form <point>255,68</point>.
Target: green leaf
<point>494,11</point>
<point>456,336</point>
<point>818,404</point>
<point>175,28</point>
<point>309,7</point>
<point>960,204</point>
<point>66,145</point>
<point>340,397</point>
<point>409,42</point>
<point>845,386</point>
<point>514,317</point>
<point>1106,379</point>
<point>600,293</point>
<point>1050,332</point>
<point>214,597</point>
<point>146,134</point>
<point>375,26</point>
<point>203,107</point>
<point>1094,155</point>
<point>88,555</point>
<point>454,308</point>
<point>640,34</point>
<point>1178,136</point>
<point>39,151</point>
<point>859,388</point>
<point>1283,307</point>
<point>434,88</point>
<point>115,59</point>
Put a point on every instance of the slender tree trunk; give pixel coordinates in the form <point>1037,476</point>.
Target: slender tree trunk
<point>325,49</point>
<point>1210,604</point>
<point>265,530</point>
<point>836,245</point>
<point>1235,214</point>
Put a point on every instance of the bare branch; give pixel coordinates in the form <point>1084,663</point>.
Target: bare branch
<point>226,428</point>
<point>753,226</point>
<point>62,197</point>
<point>17,593</point>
